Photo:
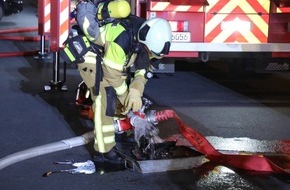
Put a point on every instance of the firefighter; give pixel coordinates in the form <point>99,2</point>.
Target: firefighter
<point>122,45</point>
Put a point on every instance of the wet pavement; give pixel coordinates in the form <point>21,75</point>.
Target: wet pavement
<point>232,113</point>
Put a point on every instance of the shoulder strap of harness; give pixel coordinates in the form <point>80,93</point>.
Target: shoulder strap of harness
<point>126,38</point>
<point>105,11</point>
<point>99,72</point>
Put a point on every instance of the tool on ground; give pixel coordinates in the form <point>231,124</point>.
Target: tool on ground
<point>87,167</point>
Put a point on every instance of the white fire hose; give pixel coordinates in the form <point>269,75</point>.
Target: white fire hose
<point>142,126</point>
<point>46,149</point>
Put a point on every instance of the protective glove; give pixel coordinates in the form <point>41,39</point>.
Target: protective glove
<point>133,100</point>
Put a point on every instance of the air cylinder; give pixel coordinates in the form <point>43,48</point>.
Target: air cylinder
<point>115,9</point>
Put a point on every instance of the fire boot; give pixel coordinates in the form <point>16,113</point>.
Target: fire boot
<point>124,138</point>
<point>112,157</point>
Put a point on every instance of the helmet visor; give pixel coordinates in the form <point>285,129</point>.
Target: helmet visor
<point>164,51</point>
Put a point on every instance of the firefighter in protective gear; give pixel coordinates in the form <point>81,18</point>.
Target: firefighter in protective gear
<point>121,48</point>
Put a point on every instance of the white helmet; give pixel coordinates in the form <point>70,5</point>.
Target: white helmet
<point>156,34</point>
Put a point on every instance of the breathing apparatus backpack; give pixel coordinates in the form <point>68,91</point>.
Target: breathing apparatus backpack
<point>77,44</point>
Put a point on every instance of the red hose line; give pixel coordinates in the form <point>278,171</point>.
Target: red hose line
<point>202,145</point>
<point>20,38</point>
<point>14,54</point>
<point>18,30</point>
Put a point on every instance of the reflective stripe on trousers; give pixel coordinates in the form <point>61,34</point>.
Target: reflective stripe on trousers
<point>104,125</point>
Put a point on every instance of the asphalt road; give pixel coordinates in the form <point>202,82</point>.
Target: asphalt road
<point>207,97</point>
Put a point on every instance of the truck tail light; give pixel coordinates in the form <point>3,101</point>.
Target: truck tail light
<point>236,25</point>
<point>179,26</point>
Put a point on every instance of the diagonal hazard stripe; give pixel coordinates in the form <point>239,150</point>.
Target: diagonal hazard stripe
<point>222,37</point>
<point>182,8</point>
<point>249,36</point>
<point>219,35</point>
<point>215,21</point>
<point>166,6</point>
<point>156,6</point>
<point>240,37</point>
<point>260,5</point>
<point>259,32</point>
<point>261,24</point>
<point>64,21</point>
<point>47,16</point>
<point>215,5</point>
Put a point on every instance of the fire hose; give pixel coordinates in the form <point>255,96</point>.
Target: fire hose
<point>18,38</point>
<point>19,30</point>
<point>202,145</point>
<point>14,54</point>
<point>199,142</point>
<point>46,149</point>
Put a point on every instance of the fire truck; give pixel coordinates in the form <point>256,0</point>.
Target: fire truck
<point>205,29</point>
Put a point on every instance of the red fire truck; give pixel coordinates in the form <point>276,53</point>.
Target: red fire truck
<point>239,28</point>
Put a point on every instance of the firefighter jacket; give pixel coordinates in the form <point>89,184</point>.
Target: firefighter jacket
<point>116,59</point>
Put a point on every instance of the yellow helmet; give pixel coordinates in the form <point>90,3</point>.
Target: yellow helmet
<point>156,34</point>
